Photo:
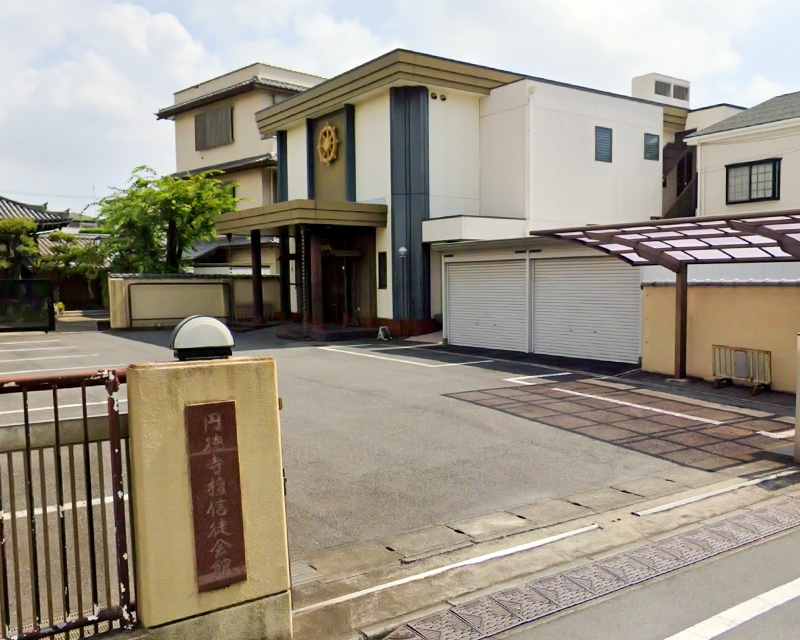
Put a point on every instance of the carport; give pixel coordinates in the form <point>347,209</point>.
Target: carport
<point>677,243</point>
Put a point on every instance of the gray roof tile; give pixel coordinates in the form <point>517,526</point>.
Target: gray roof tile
<point>36,212</point>
<point>783,107</point>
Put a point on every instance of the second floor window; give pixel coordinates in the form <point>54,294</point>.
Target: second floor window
<point>213,128</point>
<point>602,144</point>
<point>652,147</point>
<point>753,181</point>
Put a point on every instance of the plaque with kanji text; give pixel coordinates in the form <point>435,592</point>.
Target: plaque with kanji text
<point>216,494</point>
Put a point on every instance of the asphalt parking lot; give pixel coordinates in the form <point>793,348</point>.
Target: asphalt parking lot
<point>383,438</point>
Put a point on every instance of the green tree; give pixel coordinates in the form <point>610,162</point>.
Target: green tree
<point>73,256</point>
<point>17,243</point>
<point>155,219</point>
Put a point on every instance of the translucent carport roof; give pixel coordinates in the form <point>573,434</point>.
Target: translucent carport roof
<point>679,242</point>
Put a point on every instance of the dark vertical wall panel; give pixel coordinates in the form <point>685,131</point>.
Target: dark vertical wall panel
<point>410,200</point>
<point>311,146</point>
<point>329,180</point>
<point>283,176</point>
<point>350,151</point>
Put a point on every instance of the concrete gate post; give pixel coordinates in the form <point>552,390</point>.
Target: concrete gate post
<point>211,551</point>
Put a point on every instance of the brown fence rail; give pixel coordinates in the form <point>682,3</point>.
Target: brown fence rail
<point>65,530</point>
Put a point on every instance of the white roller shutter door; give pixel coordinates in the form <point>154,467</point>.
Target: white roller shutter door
<point>486,305</point>
<point>587,308</point>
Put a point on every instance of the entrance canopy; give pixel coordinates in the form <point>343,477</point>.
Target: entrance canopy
<point>679,242</point>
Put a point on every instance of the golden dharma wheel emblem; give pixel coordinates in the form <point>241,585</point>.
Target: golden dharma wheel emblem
<point>328,144</point>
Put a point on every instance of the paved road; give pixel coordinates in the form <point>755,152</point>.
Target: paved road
<point>669,608</point>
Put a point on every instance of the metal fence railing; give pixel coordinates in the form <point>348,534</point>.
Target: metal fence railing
<point>65,531</point>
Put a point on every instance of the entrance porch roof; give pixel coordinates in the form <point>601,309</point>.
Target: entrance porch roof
<point>294,212</point>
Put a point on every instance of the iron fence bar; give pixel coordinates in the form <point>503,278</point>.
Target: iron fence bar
<point>131,529</point>
<point>104,521</point>
<point>92,377</point>
<point>46,536</point>
<point>87,473</point>
<point>62,530</point>
<point>118,495</point>
<point>33,550</point>
<point>76,542</point>
<point>5,605</point>
<point>12,491</point>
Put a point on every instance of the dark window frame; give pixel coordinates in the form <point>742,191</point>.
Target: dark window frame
<point>383,273</point>
<point>597,153</point>
<point>202,132</point>
<point>776,180</point>
<point>657,141</point>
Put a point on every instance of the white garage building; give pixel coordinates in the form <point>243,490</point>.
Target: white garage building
<point>547,299</point>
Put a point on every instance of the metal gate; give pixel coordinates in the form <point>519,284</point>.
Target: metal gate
<point>26,305</point>
<point>65,530</point>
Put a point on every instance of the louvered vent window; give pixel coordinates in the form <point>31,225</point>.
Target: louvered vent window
<point>213,128</point>
<point>602,144</point>
<point>663,88</point>
<point>651,146</point>
<point>680,93</point>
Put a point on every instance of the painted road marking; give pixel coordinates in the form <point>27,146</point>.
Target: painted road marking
<point>741,613</point>
<point>521,379</point>
<point>390,359</point>
<point>640,406</point>
<point>434,572</point>
<point>53,508</point>
<point>414,346</point>
<point>88,367</point>
<point>778,435</point>
<point>61,406</point>
<point>33,349</point>
<point>83,355</point>
<point>30,342</point>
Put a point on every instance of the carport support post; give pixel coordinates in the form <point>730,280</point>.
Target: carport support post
<point>255,261</point>
<point>317,315</point>
<point>681,320</point>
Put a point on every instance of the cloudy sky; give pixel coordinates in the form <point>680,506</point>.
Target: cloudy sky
<point>81,79</point>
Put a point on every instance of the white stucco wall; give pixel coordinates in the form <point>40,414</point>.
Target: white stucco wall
<point>373,178</point>
<point>296,163</point>
<point>454,148</point>
<point>744,146</point>
<point>568,187</point>
<point>247,142</point>
<point>250,187</point>
<point>703,118</point>
<point>503,143</point>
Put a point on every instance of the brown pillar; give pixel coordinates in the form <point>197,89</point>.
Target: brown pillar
<point>317,316</point>
<point>286,300</point>
<point>681,320</point>
<point>255,261</point>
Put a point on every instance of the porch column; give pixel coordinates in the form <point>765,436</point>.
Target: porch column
<point>286,301</point>
<point>681,320</point>
<point>317,316</point>
<point>255,260</point>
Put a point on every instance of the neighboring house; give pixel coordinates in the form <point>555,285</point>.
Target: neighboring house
<point>45,219</point>
<point>408,186</point>
<point>215,127</point>
<point>76,292</point>
<point>233,257</point>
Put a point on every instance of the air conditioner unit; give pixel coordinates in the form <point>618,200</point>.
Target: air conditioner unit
<point>750,366</point>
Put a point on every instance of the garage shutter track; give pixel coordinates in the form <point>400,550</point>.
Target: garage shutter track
<point>587,308</point>
<point>486,305</point>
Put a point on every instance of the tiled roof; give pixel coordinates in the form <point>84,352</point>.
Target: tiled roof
<point>204,248</point>
<point>785,107</point>
<point>83,239</point>
<point>265,160</point>
<point>36,212</point>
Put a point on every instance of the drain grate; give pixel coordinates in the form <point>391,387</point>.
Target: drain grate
<point>490,615</point>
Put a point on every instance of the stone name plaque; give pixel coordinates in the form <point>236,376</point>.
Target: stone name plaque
<point>216,494</point>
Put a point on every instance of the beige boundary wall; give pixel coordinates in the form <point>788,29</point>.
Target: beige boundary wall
<point>166,584</point>
<point>752,317</point>
<point>147,301</point>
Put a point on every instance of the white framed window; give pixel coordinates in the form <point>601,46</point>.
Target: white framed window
<point>663,88</point>
<point>679,92</point>
<point>753,181</point>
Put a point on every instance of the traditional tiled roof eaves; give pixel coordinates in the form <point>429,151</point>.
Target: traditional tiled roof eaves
<point>264,160</point>
<point>36,212</point>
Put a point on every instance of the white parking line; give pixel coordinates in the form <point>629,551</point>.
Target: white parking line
<point>418,364</point>
<point>60,407</point>
<point>639,406</point>
<point>87,367</point>
<point>83,355</point>
<point>521,379</point>
<point>53,508</point>
<point>413,346</point>
<point>30,342</point>
<point>33,349</point>
<point>741,613</point>
<point>779,435</point>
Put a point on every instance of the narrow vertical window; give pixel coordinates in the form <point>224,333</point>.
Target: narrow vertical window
<point>652,146</point>
<point>382,279</point>
<point>602,144</point>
